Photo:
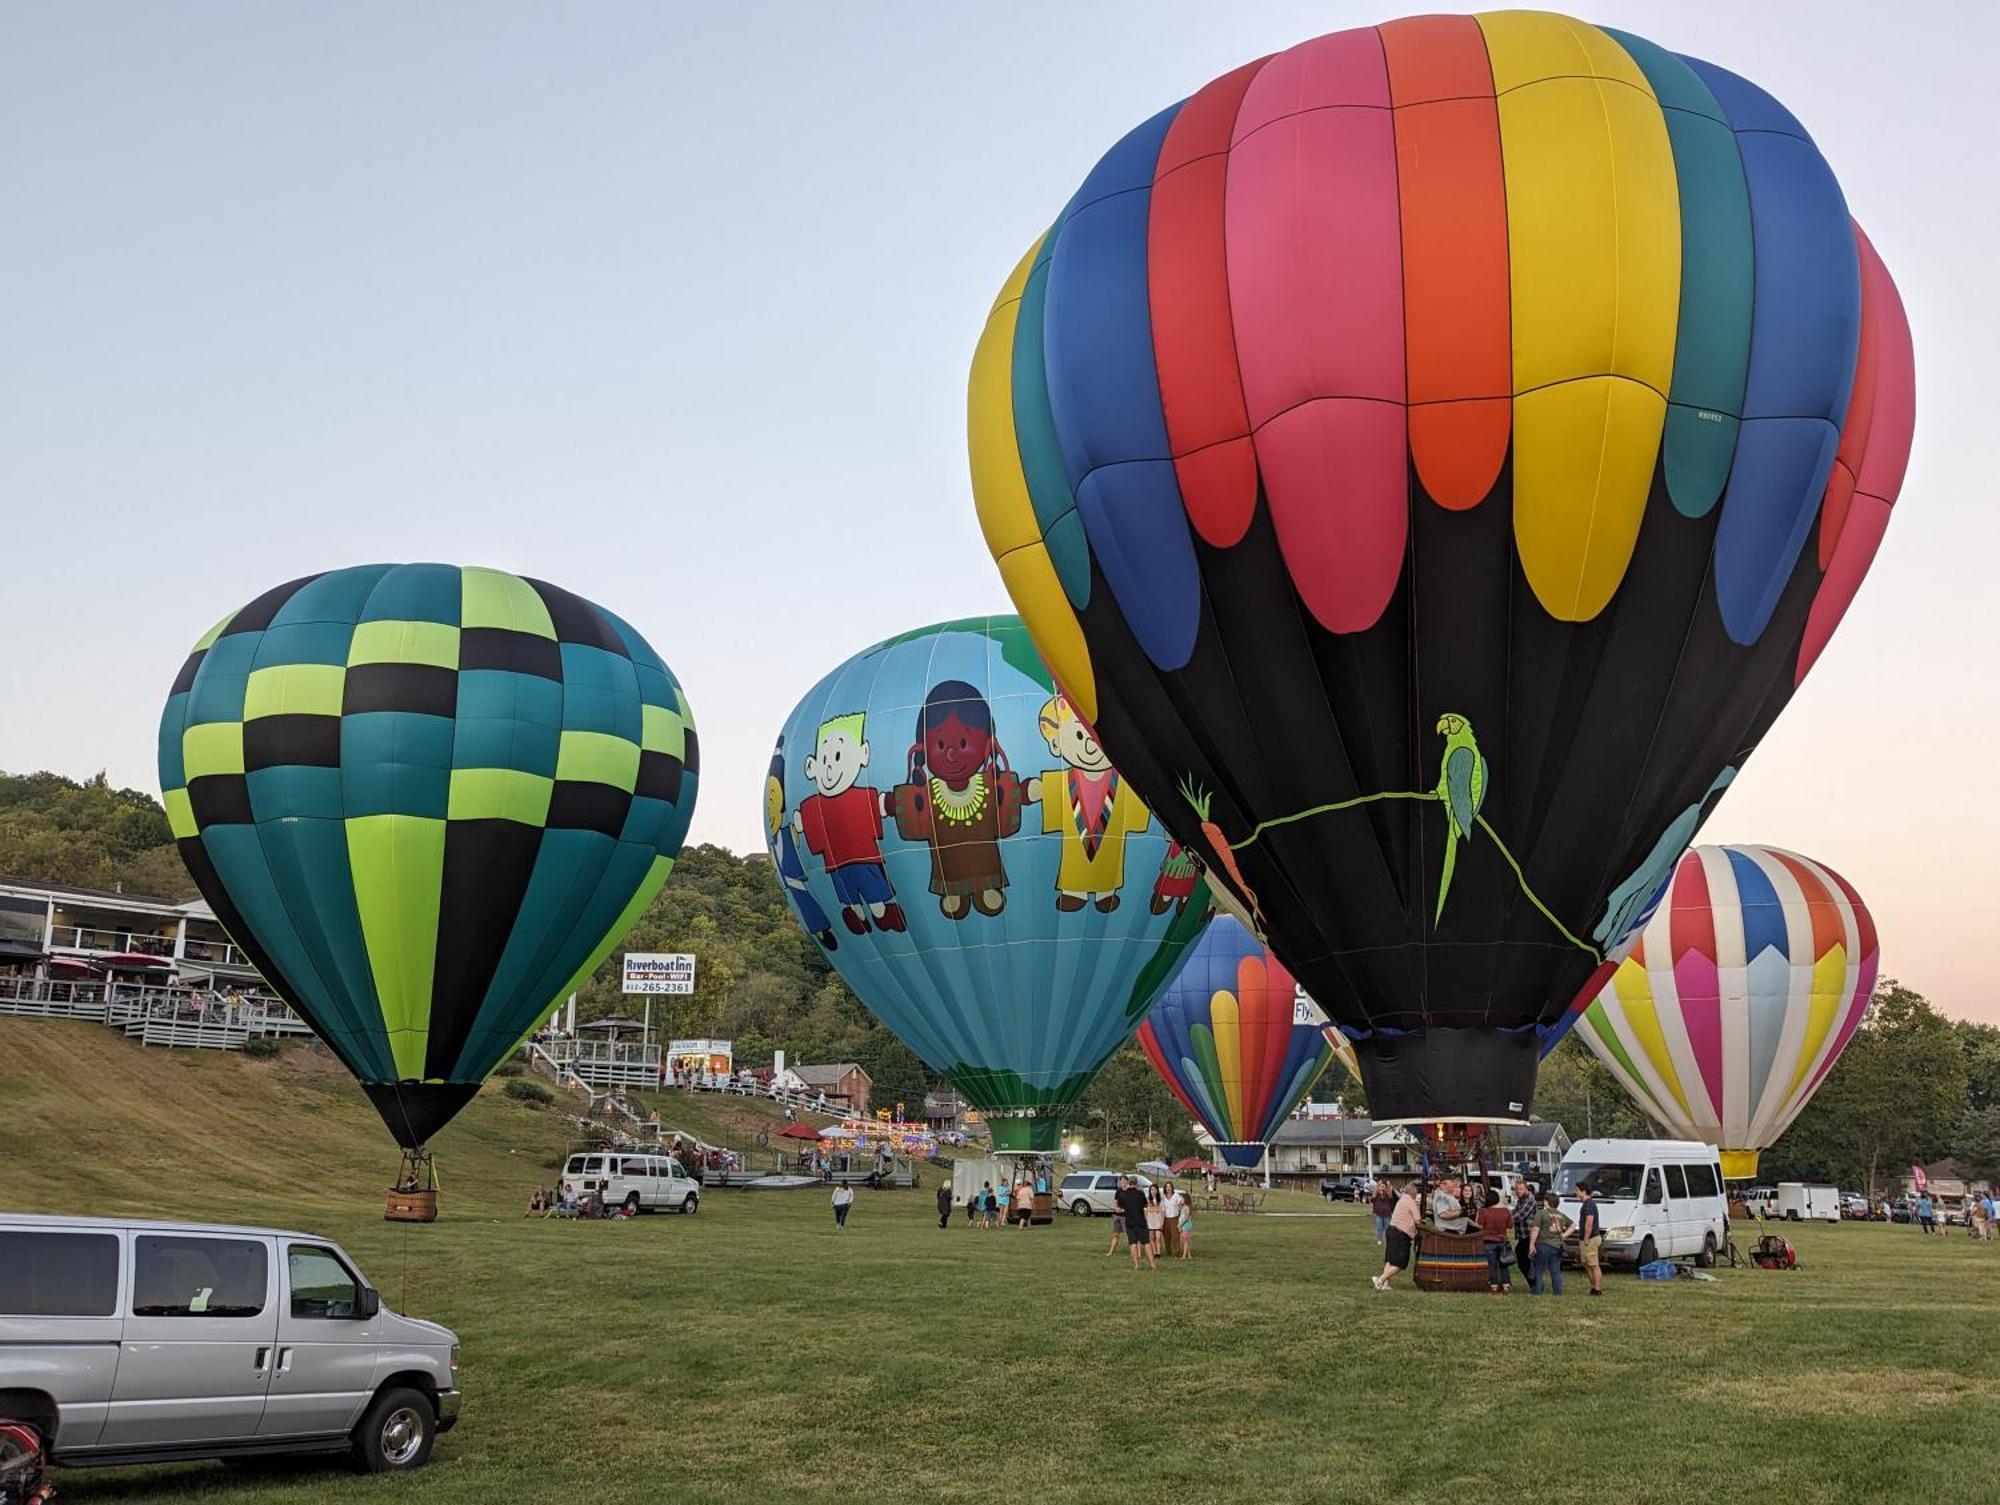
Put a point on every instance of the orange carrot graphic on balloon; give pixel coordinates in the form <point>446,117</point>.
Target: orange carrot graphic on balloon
<point>1198,799</point>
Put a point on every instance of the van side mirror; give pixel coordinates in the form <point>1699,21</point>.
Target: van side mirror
<point>369,1304</point>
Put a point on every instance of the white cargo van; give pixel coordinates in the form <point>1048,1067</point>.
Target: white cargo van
<point>1659,1198</point>
<point>644,1183</point>
<point>1798,1201</point>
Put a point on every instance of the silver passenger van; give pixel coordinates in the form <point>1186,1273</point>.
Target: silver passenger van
<point>140,1342</point>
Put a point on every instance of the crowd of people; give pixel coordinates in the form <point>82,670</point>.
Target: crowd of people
<point>1154,1222</point>
<point>1523,1231</point>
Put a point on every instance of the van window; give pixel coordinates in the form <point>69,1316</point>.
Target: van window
<point>574,1167</point>
<point>1615,1183</point>
<point>58,1274</point>
<point>321,1285</point>
<point>1077,1183</point>
<point>1676,1184</point>
<point>1702,1181</point>
<point>1653,1197</point>
<point>174,1276</point>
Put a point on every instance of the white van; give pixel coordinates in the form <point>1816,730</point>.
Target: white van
<point>1797,1201</point>
<point>1659,1198</point>
<point>644,1183</point>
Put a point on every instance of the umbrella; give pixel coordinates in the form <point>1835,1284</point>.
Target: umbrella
<point>1189,1165</point>
<point>1155,1168</point>
<point>799,1131</point>
<point>74,966</point>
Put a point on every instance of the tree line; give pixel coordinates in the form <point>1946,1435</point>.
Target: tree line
<point>1913,1085</point>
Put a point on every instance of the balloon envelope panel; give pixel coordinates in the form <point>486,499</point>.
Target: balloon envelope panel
<point>1234,1043</point>
<point>427,801</point>
<point>1430,456</point>
<point>977,872</point>
<point>1738,997</point>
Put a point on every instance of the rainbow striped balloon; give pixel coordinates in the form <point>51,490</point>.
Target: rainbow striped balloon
<point>1237,1042</point>
<point>1430,457</point>
<point>1738,997</point>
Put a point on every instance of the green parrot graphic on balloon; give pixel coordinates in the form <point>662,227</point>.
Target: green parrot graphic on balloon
<point>1461,789</point>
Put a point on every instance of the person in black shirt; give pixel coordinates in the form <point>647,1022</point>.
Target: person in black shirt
<point>1590,1238</point>
<point>1132,1208</point>
<point>944,1204</point>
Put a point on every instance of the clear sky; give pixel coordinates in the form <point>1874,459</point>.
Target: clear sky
<point>672,304</point>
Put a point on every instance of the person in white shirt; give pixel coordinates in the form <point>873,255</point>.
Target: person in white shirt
<point>1170,1208</point>
<point>843,1198</point>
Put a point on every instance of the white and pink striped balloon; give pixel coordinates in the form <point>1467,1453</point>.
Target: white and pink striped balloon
<point>1737,997</point>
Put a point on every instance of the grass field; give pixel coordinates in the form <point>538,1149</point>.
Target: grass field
<point>750,1352</point>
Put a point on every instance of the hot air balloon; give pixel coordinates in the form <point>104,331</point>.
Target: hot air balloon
<point>975,869</point>
<point>1430,457</point>
<point>1737,998</point>
<point>1236,1042</point>
<point>426,801</point>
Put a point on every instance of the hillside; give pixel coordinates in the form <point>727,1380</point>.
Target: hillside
<point>92,1122</point>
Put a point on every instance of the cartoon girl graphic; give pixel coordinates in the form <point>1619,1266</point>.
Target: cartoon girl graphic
<point>961,797</point>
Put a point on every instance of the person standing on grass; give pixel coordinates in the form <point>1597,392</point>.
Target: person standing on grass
<point>1526,1205</point>
<point>1003,1196</point>
<point>1590,1237</point>
<point>1156,1223</point>
<point>1132,1205</point>
<point>1496,1227</point>
<point>1380,1205</point>
<point>944,1204</point>
<point>988,1204</point>
<point>1545,1246</point>
<point>971,1208</point>
<point>1170,1217</point>
<point>1926,1213</point>
<point>843,1198</point>
<point>1186,1216</point>
<point>1401,1237</point>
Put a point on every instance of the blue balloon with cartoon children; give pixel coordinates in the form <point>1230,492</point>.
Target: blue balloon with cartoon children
<point>956,841</point>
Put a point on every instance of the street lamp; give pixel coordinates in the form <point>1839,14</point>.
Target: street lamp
<point>1075,1150</point>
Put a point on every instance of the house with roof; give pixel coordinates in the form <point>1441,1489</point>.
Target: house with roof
<point>1310,1148</point>
<point>845,1084</point>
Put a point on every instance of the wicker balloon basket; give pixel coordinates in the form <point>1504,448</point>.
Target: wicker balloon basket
<point>1449,1261</point>
<point>414,1197</point>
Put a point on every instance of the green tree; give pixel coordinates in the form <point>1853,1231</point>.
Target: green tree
<point>1578,1091</point>
<point>1896,1095</point>
<point>88,835</point>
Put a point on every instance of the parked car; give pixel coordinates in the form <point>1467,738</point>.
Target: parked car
<point>644,1183</point>
<point>1659,1198</point>
<point>1902,1210</point>
<point>142,1342</point>
<point>1344,1188</point>
<point>1854,1207</point>
<point>1085,1193</point>
<point>1760,1200</point>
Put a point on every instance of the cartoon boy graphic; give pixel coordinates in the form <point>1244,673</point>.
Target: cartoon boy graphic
<point>1091,806</point>
<point>843,824</point>
<point>784,846</point>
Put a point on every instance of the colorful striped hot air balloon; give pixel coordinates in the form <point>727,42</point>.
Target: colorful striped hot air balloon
<point>1429,457</point>
<point>1737,998</point>
<point>976,870</point>
<point>427,802</point>
<point>1236,1041</point>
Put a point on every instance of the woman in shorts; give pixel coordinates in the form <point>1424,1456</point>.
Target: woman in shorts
<point>1156,1221</point>
<point>1187,1227</point>
<point>1400,1240</point>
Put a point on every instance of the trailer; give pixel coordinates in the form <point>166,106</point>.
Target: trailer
<point>1798,1202</point>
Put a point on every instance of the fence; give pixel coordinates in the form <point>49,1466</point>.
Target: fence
<point>174,1017</point>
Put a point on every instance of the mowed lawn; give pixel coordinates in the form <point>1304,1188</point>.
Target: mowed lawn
<point>750,1352</point>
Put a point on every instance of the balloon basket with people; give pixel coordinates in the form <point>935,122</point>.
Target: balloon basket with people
<point>414,1197</point>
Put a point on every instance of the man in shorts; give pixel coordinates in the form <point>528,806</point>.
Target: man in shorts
<point>1590,1238</point>
<point>1132,1208</point>
<point>1400,1239</point>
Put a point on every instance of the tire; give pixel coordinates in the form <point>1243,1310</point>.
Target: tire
<point>1648,1250</point>
<point>397,1433</point>
<point>1706,1259</point>
<point>1079,1208</point>
<point>631,1203</point>
<point>691,1205</point>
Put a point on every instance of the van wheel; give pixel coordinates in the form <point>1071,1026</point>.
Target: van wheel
<point>1706,1259</point>
<point>398,1432</point>
<point>692,1205</point>
<point>632,1204</point>
<point>1079,1208</point>
<point>1648,1251</point>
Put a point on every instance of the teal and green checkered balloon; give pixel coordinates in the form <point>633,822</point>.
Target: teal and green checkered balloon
<point>426,801</point>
